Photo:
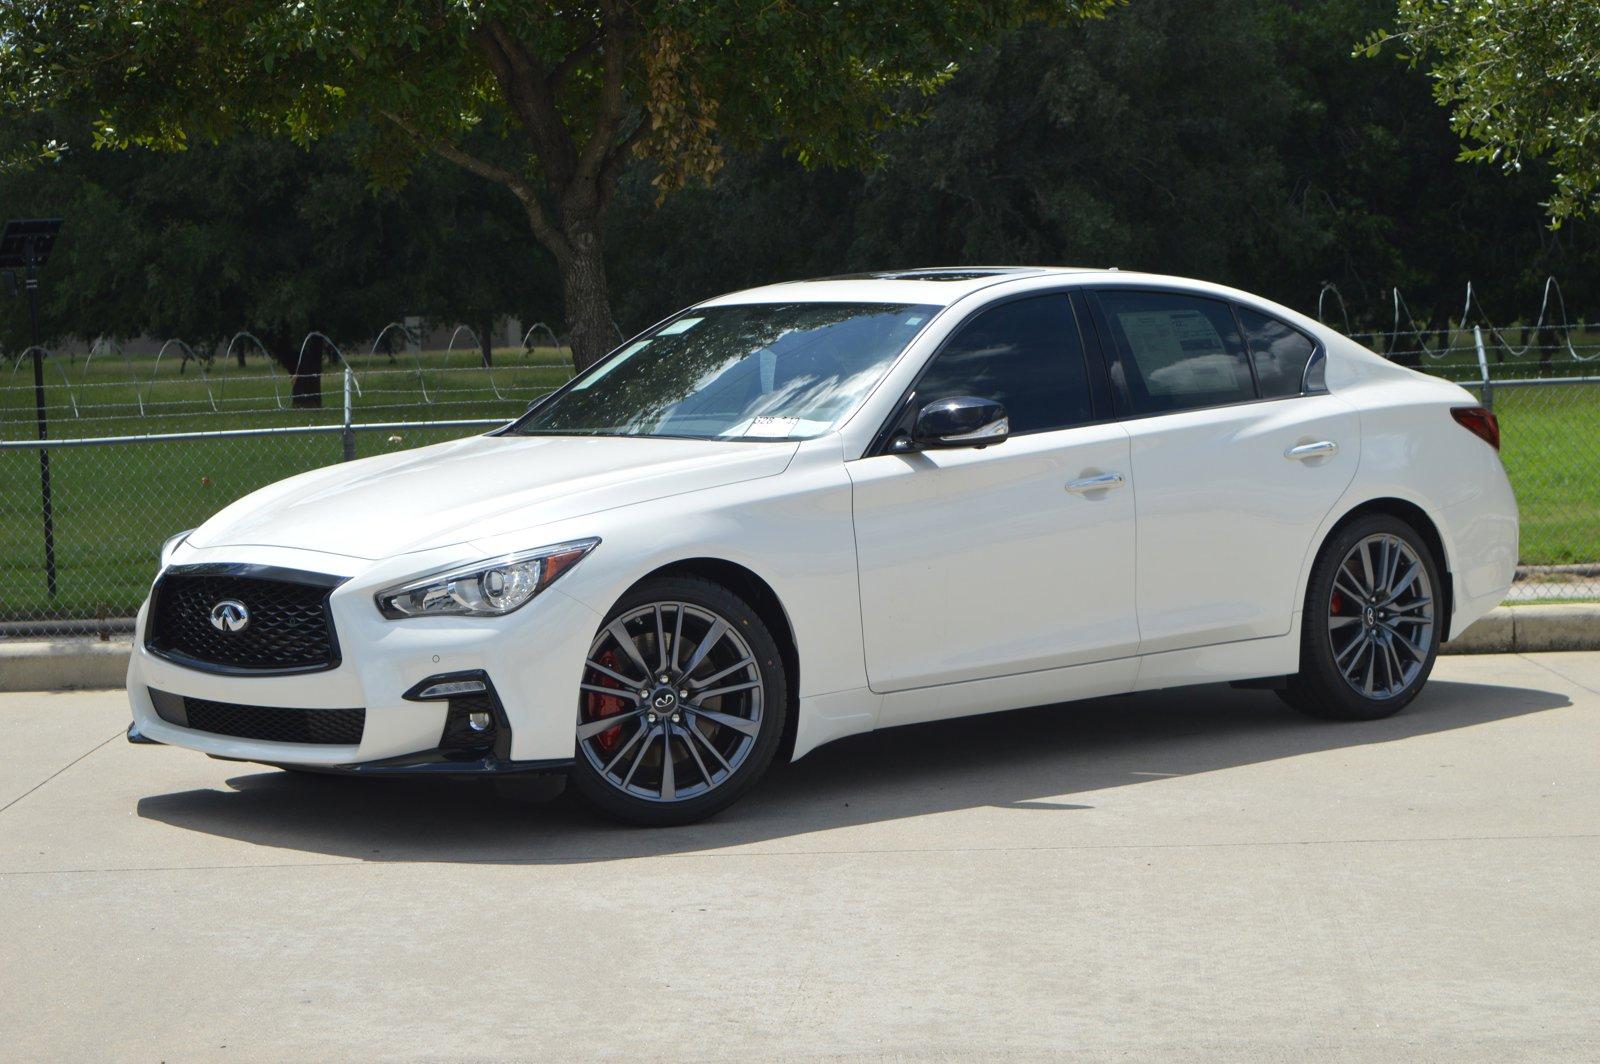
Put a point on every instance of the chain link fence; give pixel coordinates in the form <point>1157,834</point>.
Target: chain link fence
<point>138,451</point>
<point>134,458</point>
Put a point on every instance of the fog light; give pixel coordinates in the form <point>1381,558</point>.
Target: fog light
<point>478,721</point>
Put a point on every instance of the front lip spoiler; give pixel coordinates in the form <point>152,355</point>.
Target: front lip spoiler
<point>431,764</point>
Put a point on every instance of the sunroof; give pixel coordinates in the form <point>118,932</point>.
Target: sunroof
<point>948,273</point>
<point>956,274</point>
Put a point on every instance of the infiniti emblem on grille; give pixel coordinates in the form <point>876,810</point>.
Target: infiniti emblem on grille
<point>230,615</point>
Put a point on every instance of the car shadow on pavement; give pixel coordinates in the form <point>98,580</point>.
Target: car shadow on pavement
<point>1042,759</point>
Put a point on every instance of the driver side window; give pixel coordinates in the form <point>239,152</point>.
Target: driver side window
<point>1026,355</point>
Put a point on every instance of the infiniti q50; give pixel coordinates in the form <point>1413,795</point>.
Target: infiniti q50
<point>810,510</point>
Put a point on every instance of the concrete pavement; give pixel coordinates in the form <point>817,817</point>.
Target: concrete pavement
<point>1189,875</point>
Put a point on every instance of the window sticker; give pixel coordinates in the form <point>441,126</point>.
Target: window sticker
<point>768,427</point>
<point>682,325</point>
<point>1178,351</point>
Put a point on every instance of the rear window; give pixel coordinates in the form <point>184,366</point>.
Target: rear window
<point>1279,351</point>
<point>1175,352</point>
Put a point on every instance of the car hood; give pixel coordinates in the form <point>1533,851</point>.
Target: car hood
<point>476,488</point>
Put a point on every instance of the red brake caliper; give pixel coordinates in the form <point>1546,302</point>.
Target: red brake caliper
<point>606,705</point>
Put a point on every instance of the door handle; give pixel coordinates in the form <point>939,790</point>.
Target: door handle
<point>1098,482</point>
<point>1320,449</point>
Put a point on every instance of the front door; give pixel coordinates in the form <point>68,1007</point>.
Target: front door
<point>979,563</point>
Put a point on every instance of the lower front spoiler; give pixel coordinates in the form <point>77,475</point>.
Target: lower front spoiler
<point>430,764</point>
<point>433,765</point>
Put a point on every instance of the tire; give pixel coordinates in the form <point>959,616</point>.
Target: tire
<point>672,759</point>
<point>1362,657</point>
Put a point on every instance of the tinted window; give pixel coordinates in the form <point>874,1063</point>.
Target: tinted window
<point>1279,352</point>
<point>1175,352</point>
<point>1026,355</point>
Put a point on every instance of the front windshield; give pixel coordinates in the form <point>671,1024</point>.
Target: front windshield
<point>761,371</point>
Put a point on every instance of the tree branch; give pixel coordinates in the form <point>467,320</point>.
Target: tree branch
<point>538,220</point>
<point>563,70</point>
<point>617,158</point>
<point>525,88</point>
<point>599,146</point>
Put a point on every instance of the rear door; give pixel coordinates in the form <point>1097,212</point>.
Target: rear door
<point>979,563</point>
<point>1236,465</point>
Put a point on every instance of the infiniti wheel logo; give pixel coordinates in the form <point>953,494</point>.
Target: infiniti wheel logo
<point>230,615</point>
<point>665,700</point>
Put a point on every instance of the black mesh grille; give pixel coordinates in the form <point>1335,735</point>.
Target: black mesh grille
<point>329,727</point>
<point>289,627</point>
<point>458,736</point>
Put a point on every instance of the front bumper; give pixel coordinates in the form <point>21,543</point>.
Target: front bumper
<point>532,660</point>
<point>475,741</point>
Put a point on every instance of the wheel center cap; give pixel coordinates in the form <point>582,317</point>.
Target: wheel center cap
<point>665,700</point>
<point>1370,617</point>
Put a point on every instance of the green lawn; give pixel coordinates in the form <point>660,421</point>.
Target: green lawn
<point>1550,444</point>
<point>114,505</point>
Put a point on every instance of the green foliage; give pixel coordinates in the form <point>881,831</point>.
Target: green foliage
<point>259,234</point>
<point>1522,80</point>
<point>1234,140</point>
<point>562,95</point>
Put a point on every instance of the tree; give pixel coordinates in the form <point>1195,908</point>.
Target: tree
<point>1235,140</point>
<point>560,96</point>
<point>257,234</point>
<point>1522,80</point>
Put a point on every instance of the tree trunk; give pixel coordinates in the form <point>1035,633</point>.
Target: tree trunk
<point>587,297</point>
<point>305,383</point>
<point>486,341</point>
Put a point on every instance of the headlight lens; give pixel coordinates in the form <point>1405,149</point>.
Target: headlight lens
<point>484,589</point>
<point>172,544</point>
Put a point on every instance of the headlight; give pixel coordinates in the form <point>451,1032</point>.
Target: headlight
<point>172,544</point>
<point>483,589</point>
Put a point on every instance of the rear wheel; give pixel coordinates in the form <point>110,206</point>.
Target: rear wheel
<point>681,706</point>
<point>1369,634</point>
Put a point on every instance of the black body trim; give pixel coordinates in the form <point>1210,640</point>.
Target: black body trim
<point>433,765</point>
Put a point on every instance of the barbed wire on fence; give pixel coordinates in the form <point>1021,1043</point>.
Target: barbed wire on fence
<point>1455,333</point>
<point>145,388</point>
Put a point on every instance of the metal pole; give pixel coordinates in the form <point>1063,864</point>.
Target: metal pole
<point>1483,368</point>
<point>44,428</point>
<point>348,433</point>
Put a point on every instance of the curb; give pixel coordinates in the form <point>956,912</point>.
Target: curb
<point>79,664</point>
<point>1531,630</point>
<point>63,664</point>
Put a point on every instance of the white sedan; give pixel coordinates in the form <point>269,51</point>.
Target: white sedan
<point>805,511</point>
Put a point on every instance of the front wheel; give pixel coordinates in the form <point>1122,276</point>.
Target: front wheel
<point>681,706</point>
<point>1369,634</point>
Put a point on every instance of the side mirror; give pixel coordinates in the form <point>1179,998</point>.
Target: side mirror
<point>961,421</point>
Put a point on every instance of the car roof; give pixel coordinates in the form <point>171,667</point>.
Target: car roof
<point>937,285</point>
<point>943,285</point>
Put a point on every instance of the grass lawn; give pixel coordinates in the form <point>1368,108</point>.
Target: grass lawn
<point>115,504</point>
<point>1550,444</point>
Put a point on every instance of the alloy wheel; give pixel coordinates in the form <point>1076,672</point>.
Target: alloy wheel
<point>1380,616</point>
<point>670,703</point>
